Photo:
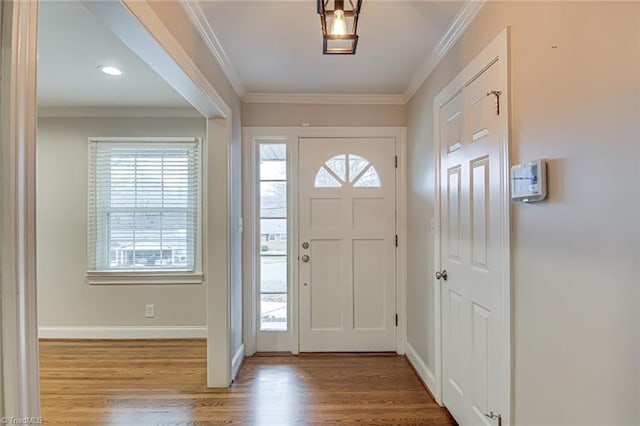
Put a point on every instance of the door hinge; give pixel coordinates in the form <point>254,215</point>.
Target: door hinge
<point>396,320</point>
<point>494,416</point>
<point>396,161</point>
<point>396,240</point>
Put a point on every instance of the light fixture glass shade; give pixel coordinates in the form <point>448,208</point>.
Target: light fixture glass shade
<point>339,19</point>
<point>339,26</point>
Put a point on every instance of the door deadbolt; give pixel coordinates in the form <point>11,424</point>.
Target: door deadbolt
<point>305,245</point>
<point>305,258</point>
<point>441,275</point>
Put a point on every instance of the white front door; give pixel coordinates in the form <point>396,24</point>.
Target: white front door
<point>472,250</point>
<point>347,245</point>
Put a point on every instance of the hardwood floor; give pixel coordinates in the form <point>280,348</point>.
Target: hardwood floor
<point>163,382</point>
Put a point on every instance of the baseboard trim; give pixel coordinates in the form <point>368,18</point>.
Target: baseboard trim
<point>236,362</point>
<point>123,332</point>
<point>426,375</point>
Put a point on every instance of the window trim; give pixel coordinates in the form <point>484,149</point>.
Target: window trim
<point>137,277</point>
<point>117,277</point>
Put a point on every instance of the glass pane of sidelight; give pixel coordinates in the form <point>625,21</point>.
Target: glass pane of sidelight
<point>273,199</point>
<point>273,312</point>
<point>273,274</point>
<point>273,237</point>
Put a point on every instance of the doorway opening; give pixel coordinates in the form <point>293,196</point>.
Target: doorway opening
<point>119,217</point>
<point>20,346</point>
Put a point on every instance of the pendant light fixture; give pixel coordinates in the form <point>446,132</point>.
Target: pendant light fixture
<point>339,19</point>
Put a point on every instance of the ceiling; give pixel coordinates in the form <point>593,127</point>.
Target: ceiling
<point>72,44</point>
<point>276,46</point>
<point>270,47</point>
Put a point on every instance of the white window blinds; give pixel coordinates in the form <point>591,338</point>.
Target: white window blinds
<point>143,204</point>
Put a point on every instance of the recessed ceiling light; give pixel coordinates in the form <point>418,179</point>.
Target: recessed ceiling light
<point>107,69</point>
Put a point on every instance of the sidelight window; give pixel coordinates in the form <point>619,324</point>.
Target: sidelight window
<point>273,237</point>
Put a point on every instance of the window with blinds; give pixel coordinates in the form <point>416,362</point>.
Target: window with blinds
<point>144,204</point>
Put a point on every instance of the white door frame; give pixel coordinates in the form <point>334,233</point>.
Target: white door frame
<point>291,135</point>
<point>497,50</point>
<point>21,389</point>
<point>137,25</point>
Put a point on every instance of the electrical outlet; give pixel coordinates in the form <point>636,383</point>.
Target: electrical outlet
<point>149,311</point>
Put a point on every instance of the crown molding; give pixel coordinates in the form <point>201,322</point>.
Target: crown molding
<point>459,25</point>
<point>324,99</point>
<point>102,112</point>
<point>194,11</point>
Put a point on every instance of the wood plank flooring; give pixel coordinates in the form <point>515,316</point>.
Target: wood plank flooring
<point>163,382</point>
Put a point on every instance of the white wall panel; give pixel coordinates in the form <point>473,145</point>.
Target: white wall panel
<point>64,297</point>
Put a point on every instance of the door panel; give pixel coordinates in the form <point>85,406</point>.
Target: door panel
<point>326,214</point>
<point>347,216</point>
<point>369,304</point>
<point>453,214</point>
<point>453,130</point>
<point>471,188</point>
<point>368,214</point>
<point>479,205</point>
<point>326,301</point>
<point>455,339</point>
<point>480,358</point>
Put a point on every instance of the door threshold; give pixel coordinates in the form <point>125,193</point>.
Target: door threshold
<point>272,353</point>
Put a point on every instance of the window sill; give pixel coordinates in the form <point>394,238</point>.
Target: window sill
<point>143,278</point>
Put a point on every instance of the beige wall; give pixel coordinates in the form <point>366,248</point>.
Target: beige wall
<point>575,257</point>
<point>173,16</point>
<point>294,115</point>
<point>64,297</point>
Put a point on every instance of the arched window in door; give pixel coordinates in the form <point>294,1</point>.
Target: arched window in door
<point>347,169</point>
